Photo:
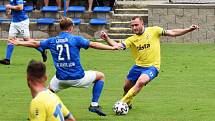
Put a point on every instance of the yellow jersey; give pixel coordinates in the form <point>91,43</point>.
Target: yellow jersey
<point>47,106</point>
<point>145,48</point>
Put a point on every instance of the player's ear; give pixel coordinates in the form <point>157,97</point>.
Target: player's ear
<point>45,77</point>
<point>72,27</point>
<point>28,81</point>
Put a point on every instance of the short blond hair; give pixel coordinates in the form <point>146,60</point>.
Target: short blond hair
<point>66,23</point>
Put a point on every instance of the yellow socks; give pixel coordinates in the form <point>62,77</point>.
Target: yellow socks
<point>128,97</point>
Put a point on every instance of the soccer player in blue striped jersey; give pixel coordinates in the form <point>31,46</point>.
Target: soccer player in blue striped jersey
<point>19,27</point>
<point>65,50</point>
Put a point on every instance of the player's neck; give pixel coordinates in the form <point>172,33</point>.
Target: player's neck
<point>67,31</point>
<point>36,90</point>
<point>143,30</point>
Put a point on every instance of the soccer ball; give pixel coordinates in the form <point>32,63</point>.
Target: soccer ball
<point>120,108</point>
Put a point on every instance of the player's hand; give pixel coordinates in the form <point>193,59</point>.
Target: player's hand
<point>194,27</point>
<point>104,35</point>
<point>8,6</point>
<point>118,46</point>
<point>13,41</point>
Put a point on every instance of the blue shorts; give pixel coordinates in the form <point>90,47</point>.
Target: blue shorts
<point>136,71</point>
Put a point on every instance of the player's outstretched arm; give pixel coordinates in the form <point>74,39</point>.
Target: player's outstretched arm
<point>105,37</point>
<point>15,7</point>
<point>100,46</point>
<point>179,32</point>
<point>30,43</point>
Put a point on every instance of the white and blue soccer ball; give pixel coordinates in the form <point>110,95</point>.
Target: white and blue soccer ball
<point>120,108</point>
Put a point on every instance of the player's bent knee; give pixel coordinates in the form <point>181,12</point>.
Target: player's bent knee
<point>100,76</point>
<point>141,83</point>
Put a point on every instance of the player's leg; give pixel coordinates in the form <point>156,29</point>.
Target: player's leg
<point>97,89</point>
<point>58,4</point>
<point>142,81</point>
<point>13,32</point>
<point>127,86</point>
<point>54,84</point>
<point>46,2</point>
<point>132,77</point>
<point>25,33</point>
<point>9,52</point>
<point>90,4</point>
<point>146,75</point>
<point>67,4</point>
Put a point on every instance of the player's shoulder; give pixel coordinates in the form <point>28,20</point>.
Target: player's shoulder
<point>78,37</point>
<point>50,39</point>
<point>153,28</point>
<point>42,96</point>
<point>131,37</point>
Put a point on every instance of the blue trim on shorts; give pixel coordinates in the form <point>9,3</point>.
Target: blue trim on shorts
<point>136,71</point>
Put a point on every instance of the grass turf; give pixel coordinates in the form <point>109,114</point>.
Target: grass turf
<point>183,91</point>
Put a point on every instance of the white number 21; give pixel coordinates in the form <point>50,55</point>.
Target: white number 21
<point>60,48</point>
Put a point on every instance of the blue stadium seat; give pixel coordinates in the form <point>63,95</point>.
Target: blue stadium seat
<point>49,9</point>
<point>80,9</point>
<point>102,9</point>
<point>76,21</point>
<point>4,20</point>
<point>98,21</point>
<point>28,8</point>
<point>2,8</point>
<point>45,21</point>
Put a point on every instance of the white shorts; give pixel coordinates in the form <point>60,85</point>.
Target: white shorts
<point>19,29</point>
<point>57,85</point>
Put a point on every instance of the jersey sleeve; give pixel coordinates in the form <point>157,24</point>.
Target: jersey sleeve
<point>44,44</point>
<point>83,42</point>
<point>65,112</point>
<point>127,43</point>
<point>37,111</point>
<point>160,31</point>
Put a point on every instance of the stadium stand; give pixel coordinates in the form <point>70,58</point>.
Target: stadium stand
<point>74,10</point>
<point>46,21</point>
<point>49,9</point>
<point>2,8</point>
<point>98,21</point>
<point>28,8</point>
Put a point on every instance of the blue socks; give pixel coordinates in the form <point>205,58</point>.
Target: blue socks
<point>97,89</point>
<point>9,51</point>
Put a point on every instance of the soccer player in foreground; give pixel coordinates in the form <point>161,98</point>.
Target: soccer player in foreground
<point>19,27</point>
<point>145,48</point>
<point>65,50</point>
<point>45,105</point>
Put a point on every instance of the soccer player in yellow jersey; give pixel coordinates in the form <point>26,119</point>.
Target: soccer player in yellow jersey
<point>145,48</point>
<point>45,105</point>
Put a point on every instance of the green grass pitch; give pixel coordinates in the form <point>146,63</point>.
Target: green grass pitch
<point>183,91</point>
